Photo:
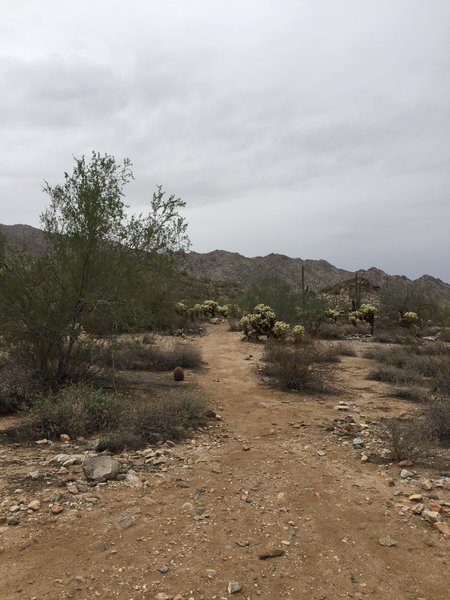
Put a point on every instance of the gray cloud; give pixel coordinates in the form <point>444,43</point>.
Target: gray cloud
<point>313,129</point>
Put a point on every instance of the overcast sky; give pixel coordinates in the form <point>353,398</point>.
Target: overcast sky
<point>316,129</point>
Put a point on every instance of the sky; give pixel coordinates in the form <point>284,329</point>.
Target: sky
<point>315,129</point>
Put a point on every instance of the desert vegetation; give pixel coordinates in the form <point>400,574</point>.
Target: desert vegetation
<point>69,318</point>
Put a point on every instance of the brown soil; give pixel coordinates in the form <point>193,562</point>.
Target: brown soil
<point>250,484</point>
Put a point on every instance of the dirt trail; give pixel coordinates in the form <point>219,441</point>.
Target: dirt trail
<point>250,485</point>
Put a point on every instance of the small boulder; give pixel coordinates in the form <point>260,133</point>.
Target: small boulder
<point>100,468</point>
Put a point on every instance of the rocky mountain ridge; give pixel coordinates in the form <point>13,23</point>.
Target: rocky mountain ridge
<point>221,266</point>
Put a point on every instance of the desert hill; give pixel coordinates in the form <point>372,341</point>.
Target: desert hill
<point>222,267</point>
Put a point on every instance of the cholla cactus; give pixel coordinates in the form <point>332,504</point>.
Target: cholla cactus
<point>355,316</point>
<point>281,330</point>
<point>368,312</point>
<point>332,313</point>
<point>222,311</point>
<point>245,325</point>
<point>181,309</point>
<point>209,308</point>
<point>262,319</point>
<point>410,319</point>
<point>298,331</point>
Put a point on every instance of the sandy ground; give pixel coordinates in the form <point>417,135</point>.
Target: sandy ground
<point>252,483</point>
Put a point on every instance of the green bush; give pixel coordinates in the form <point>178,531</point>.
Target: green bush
<point>393,375</point>
<point>301,368</point>
<point>137,355</point>
<point>76,410</point>
<point>171,416</point>
<point>17,388</point>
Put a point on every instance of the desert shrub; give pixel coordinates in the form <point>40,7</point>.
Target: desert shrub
<point>391,374</point>
<point>170,416</point>
<point>300,367</point>
<point>391,335</point>
<point>410,393</point>
<point>344,349</point>
<point>408,438</point>
<point>438,417</point>
<point>76,410</point>
<point>130,355</point>
<point>336,331</point>
<point>17,388</point>
<point>233,324</point>
<point>439,371</point>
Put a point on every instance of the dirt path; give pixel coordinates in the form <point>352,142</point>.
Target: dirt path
<point>252,484</point>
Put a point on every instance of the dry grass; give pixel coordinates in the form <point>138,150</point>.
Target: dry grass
<point>304,367</point>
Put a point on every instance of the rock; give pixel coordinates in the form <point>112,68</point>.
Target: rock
<point>405,463</point>
<point>404,474</point>
<point>443,528</point>
<point>100,546</point>
<point>163,569</point>
<point>321,453</point>
<point>34,475</point>
<point>432,516</point>
<point>417,510</point>
<point>42,442</point>
<point>387,541</point>
<point>234,587</point>
<point>132,480</point>
<point>210,573</point>
<point>163,596</point>
<point>72,488</point>
<point>358,442</point>
<point>243,543</point>
<point>56,508</point>
<point>34,505</point>
<point>64,438</point>
<point>126,521</point>
<point>271,554</point>
<point>435,506</point>
<point>426,485</point>
<point>391,482</point>
<point>416,498</point>
<point>13,521</point>
<point>100,468</point>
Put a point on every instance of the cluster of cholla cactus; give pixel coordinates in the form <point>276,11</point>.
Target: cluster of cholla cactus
<point>332,313</point>
<point>281,330</point>
<point>366,313</point>
<point>410,320</point>
<point>262,321</point>
<point>205,310</point>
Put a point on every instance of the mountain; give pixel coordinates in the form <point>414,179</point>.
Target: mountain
<point>224,267</point>
<point>24,238</point>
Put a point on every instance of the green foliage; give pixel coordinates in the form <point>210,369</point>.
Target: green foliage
<point>103,271</point>
<point>76,410</point>
<point>298,333</point>
<point>311,312</point>
<point>401,297</point>
<point>281,331</point>
<point>275,292</point>
<point>260,322</point>
<point>300,368</point>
